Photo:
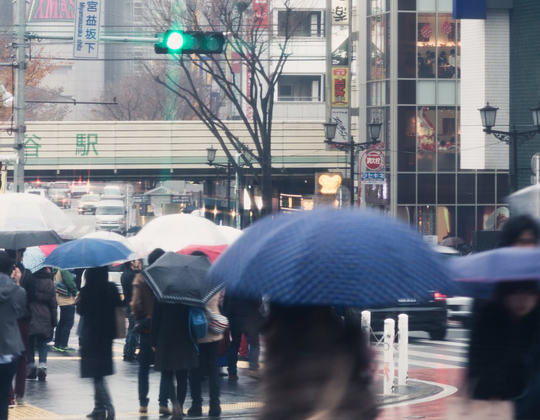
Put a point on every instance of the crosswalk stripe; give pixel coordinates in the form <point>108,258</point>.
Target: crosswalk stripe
<point>442,343</point>
<point>455,350</point>
<point>69,229</point>
<point>83,229</point>
<point>437,356</point>
<point>423,363</point>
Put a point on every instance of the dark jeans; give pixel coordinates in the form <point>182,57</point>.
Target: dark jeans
<point>207,365</point>
<point>102,398</point>
<point>40,343</point>
<point>146,356</point>
<point>20,378</point>
<point>63,329</point>
<point>181,384</point>
<point>7,371</point>
<point>131,338</point>
<point>237,326</point>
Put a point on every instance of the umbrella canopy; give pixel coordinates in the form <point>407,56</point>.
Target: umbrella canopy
<point>332,258</point>
<point>452,241</point>
<point>479,273</point>
<point>28,238</point>
<point>29,212</point>
<point>231,234</point>
<point>176,278</point>
<point>47,249</point>
<point>213,252</point>
<point>111,236</point>
<point>86,253</point>
<point>176,231</point>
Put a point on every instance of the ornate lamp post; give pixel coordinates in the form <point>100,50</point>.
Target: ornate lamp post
<point>374,131</point>
<point>513,138</point>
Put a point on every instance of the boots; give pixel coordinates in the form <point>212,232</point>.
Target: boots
<point>215,408</point>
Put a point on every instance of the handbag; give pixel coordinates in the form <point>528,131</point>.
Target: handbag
<point>460,408</point>
<point>218,323</point>
<point>120,320</point>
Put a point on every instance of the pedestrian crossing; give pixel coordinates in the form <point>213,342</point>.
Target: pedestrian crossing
<point>432,354</point>
<point>77,231</point>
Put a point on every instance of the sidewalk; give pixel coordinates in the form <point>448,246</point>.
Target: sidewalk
<point>66,396</point>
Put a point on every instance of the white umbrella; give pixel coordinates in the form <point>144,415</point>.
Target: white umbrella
<point>231,234</point>
<point>29,212</point>
<point>176,231</point>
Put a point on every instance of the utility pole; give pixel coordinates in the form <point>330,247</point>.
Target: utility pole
<point>20,85</point>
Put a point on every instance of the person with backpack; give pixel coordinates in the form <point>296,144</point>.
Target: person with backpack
<point>66,292</point>
<point>208,352</point>
<point>176,351</point>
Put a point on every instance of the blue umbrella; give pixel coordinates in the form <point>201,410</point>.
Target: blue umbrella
<point>332,258</point>
<point>479,273</point>
<point>86,253</point>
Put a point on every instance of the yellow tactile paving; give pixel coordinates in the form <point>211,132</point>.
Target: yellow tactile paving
<point>30,412</point>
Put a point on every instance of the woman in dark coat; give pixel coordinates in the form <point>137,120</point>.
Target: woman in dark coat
<point>98,301</point>
<point>504,356</point>
<point>175,350</point>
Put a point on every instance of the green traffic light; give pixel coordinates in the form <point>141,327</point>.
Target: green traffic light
<point>175,41</point>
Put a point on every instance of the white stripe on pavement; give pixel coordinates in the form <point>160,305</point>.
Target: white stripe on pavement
<point>437,356</point>
<point>442,343</point>
<point>456,350</point>
<point>83,229</point>
<point>69,229</point>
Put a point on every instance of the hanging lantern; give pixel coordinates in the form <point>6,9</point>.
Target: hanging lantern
<point>426,31</point>
<point>446,28</point>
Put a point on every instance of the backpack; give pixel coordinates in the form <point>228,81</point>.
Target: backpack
<point>198,325</point>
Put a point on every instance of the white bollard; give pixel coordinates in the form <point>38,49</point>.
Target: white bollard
<point>366,326</point>
<point>403,357</point>
<point>389,366</point>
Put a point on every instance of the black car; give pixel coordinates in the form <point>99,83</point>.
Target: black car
<point>425,315</point>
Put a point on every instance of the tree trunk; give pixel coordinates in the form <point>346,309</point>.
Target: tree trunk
<point>266,181</point>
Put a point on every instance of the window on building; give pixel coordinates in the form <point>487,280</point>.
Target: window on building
<point>300,88</point>
<point>299,23</point>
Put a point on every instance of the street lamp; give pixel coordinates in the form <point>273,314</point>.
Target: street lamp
<point>374,131</point>
<point>211,157</point>
<point>7,98</point>
<point>489,116</point>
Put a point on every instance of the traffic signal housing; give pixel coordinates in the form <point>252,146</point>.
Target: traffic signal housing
<point>190,42</point>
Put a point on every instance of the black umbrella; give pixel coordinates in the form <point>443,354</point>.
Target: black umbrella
<point>176,278</point>
<point>27,238</point>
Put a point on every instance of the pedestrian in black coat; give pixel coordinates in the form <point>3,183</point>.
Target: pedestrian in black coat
<point>504,355</point>
<point>175,350</point>
<point>97,304</point>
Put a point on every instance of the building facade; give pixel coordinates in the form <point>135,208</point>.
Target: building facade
<point>413,84</point>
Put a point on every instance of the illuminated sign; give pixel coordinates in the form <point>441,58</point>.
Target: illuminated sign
<point>328,183</point>
<point>52,11</point>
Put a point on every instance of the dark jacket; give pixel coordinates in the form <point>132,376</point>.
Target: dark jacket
<point>97,305</point>
<point>44,308</point>
<point>12,307</point>
<point>127,285</point>
<point>175,349</point>
<point>142,301</point>
<point>503,353</point>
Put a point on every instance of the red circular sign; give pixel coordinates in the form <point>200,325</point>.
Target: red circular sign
<point>374,160</point>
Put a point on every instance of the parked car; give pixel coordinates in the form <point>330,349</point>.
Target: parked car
<point>62,198</point>
<point>88,203</point>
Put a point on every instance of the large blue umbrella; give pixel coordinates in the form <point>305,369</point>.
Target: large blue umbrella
<point>479,273</point>
<point>332,258</point>
<point>86,253</point>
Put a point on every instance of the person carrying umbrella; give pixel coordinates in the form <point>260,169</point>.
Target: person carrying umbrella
<point>98,301</point>
<point>131,269</point>
<point>12,307</point>
<point>316,365</point>
<point>142,305</point>
<point>44,311</point>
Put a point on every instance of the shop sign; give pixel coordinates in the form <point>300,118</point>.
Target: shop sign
<point>340,45</point>
<point>340,87</point>
<point>340,12</point>
<point>51,11</point>
<point>341,117</point>
<point>374,160</point>
<point>328,182</point>
<point>373,178</point>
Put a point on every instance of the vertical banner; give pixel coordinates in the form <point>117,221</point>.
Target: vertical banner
<point>260,11</point>
<point>86,30</point>
<point>340,12</point>
<point>340,87</point>
<point>340,116</point>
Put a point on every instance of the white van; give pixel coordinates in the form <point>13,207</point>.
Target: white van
<point>111,216</point>
<point>113,191</point>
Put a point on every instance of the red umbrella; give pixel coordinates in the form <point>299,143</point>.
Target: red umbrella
<point>47,249</point>
<point>211,251</point>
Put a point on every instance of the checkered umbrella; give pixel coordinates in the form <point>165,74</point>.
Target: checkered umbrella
<point>332,258</point>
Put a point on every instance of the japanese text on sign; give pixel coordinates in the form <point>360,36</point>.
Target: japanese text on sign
<point>86,31</point>
<point>86,144</point>
<point>340,12</point>
<point>340,94</point>
<point>373,178</point>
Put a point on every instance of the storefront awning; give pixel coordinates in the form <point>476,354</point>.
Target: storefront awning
<point>469,9</point>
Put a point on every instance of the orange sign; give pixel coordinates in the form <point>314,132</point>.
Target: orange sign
<point>328,183</point>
